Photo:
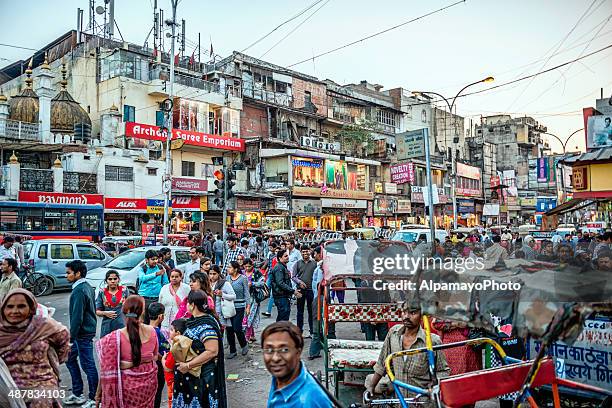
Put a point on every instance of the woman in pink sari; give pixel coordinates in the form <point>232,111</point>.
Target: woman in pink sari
<point>128,369</point>
<point>198,281</point>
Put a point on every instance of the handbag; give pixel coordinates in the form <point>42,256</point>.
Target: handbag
<point>260,291</point>
<point>228,310</point>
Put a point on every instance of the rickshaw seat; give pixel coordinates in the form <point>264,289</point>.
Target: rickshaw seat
<point>466,389</point>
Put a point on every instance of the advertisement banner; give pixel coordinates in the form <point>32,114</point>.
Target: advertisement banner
<point>248,204</point>
<point>465,206</point>
<point>148,236</point>
<point>403,206</point>
<point>332,193</point>
<point>125,205</point>
<point>344,204</point>
<point>417,195</point>
<point>150,132</point>
<point>599,131</point>
<point>189,185</point>
<point>580,179</point>
<point>306,207</point>
<point>471,172</point>
<point>410,144</point>
<point>544,204</point>
<point>336,175</point>
<point>307,172</point>
<point>60,198</point>
<point>542,168</point>
<point>402,173</point>
<point>384,206</point>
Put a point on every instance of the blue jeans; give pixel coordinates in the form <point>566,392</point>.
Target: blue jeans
<point>83,349</point>
<point>283,306</point>
<point>271,299</point>
<point>305,300</point>
<point>371,330</point>
<point>219,258</point>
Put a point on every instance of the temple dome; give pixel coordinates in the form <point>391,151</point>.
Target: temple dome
<point>66,112</point>
<point>24,107</point>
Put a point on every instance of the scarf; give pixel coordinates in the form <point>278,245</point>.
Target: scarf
<point>109,297</point>
<point>177,299</point>
<point>16,337</point>
<point>109,355</point>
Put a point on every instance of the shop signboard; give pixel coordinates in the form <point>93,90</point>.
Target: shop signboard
<point>378,187</point>
<point>307,172</point>
<point>490,210</point>
<point>281,204</point>
<point>542,169</point>
<point>410,144</point>
<point>385,206</point>
<point>332,193</point>
<point>189,185</point>
<point>465,206</point>
<point>318,143</point>
<point>402,173</point>
<point>148,234</point>
<point>248,204</point>
<point>60,198</point>
<point>125,205</point>
<point>306,207</point>
<point>156,206</point>
<point>471,172</point>
<point>403,206</point>
<point>544,204</point>
<point>580,179</point>
<point>150,132</point>
<point>390,188</point>
<point>417,195</point>
<point>370,209</point>
<point>344,204</point>
<point>189,203</point>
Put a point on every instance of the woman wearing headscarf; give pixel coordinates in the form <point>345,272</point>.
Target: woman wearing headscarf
<point>200,381</point>
<point>128,368</point>
<point>33,347</point>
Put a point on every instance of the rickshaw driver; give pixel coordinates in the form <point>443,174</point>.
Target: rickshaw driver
<point>413,370</point>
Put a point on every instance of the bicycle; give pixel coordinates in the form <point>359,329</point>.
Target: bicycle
<point>36,282</point>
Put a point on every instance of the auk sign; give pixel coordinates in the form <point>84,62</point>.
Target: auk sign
<point>150,132</point>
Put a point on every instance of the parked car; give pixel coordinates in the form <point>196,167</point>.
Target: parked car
<point>411,235</point>
<point>129,264</point>
<point>50,256</point>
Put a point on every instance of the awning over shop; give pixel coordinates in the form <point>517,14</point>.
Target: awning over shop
<point>572,205</point>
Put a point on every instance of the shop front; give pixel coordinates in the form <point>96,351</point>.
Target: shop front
<point>342,214</point>
<point>468,189</point>
<point>276,214</point>
<point>385,212</point>
<point>442,205</point>
<point>247,213</point>
<point>125,214</point>
<point>466,211</point>
<point>188,212</point>
<point>306,213</point>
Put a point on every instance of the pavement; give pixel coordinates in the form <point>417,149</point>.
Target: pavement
<point>253,383</point>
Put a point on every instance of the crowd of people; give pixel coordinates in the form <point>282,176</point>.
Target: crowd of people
<point>169,331</point>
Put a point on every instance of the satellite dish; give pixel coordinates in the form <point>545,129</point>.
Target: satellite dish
<point>100,10</point>
<point>168,35</point>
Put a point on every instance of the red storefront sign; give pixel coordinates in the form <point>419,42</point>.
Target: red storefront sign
<point>189,184</point>
<point>150,132</point>
<point>60,198</point>
<point>125,205</point>
<point>189,203</point>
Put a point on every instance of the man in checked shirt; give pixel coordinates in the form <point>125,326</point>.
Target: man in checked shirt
<point>232,253</point>
<point>413,369</point>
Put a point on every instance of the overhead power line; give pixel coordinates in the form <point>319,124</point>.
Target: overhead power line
<point>294,29</point>
<point>17,46</point>
<point>280,25</point>
<point>376,34</point>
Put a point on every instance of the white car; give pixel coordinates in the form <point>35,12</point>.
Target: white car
<point>411,235</point>
<point>129,264</point>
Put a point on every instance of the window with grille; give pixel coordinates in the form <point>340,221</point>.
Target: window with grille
<point>129,113</point>
<point>385,117</point>
<point>118,173</point>
<point>188,169</point>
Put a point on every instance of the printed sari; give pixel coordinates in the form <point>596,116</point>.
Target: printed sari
<point>207,390</point>
<point>129,388</point>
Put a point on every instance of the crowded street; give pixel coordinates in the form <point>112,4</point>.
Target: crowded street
<point>319,204</point>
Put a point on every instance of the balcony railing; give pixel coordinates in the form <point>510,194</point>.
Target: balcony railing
<point>12,129</point>
<point>276,98</point>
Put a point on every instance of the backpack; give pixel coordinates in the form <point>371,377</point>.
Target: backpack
<point>260,291</point>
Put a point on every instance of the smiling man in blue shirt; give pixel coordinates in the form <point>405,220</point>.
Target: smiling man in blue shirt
<point>292,384</point>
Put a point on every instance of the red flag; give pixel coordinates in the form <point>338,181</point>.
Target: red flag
<point>192,58</point>
<point>155,52</point>
<point>176,58</point>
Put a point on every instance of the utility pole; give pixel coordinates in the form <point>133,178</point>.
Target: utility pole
<point>226,179</point>
<point>432,224</point>
<point>168,175</point>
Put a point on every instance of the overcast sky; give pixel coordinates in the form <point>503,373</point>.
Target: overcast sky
<point>442,52</point>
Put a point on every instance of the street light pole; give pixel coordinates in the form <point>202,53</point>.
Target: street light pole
<point>455,140</point>
<point>432,224</point>
<point>167,176</point>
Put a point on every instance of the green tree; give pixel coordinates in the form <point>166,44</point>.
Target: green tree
<point>357,137</point>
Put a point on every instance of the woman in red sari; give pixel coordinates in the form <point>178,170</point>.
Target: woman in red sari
<point>128,369</point>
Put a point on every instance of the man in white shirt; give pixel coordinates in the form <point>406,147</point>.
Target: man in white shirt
<point>192,266</point>
<point>7,250</point>
<point>294,256</point>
